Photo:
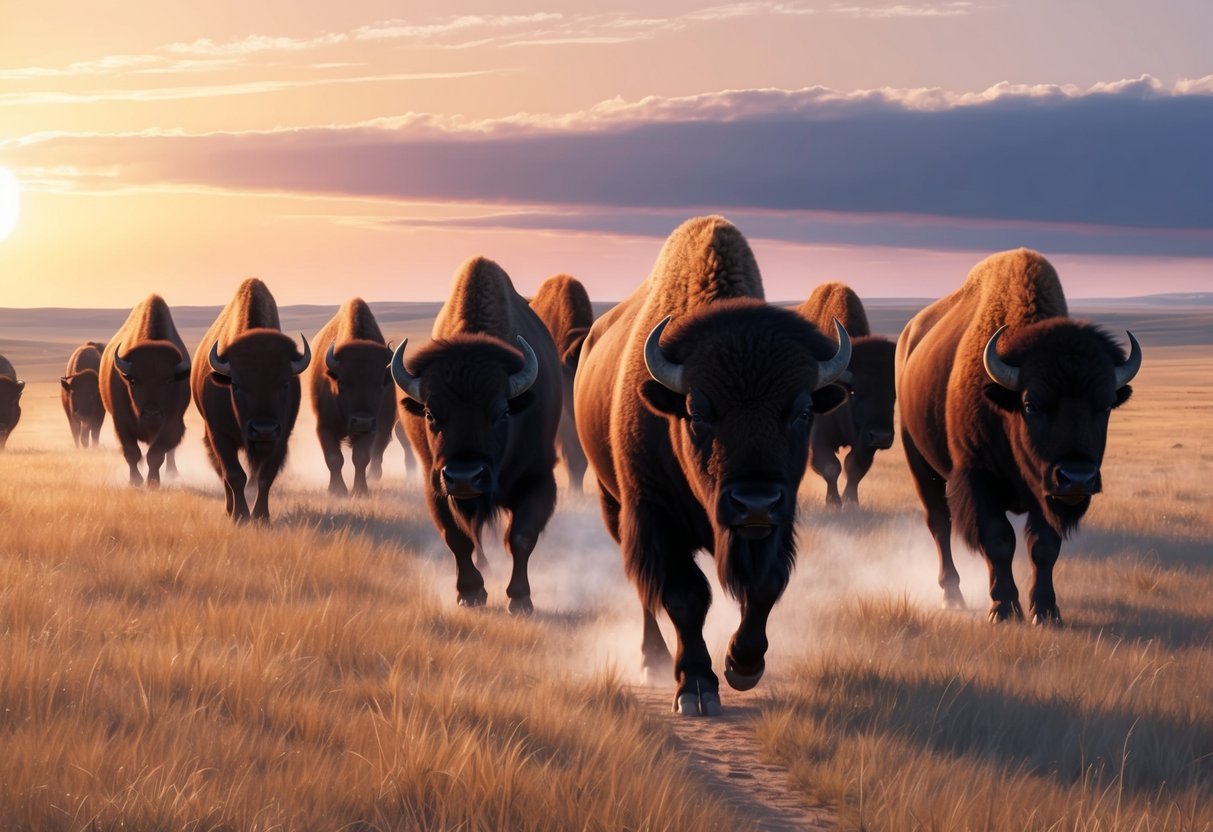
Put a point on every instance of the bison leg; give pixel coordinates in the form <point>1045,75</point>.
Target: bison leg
<point>1045,545</point>
<point>382,438</point>
<point>132,455</point>
<point>330,444</point>
<point>824,461</point>
<point>932,491</point>
<point>996,538</point>
<point>155,458</point>
<point>857,465</point>
<point>572,454</point>
<point>360,452</point>
<point>469,583</point>
<point>266,469</point>
<point>234,479</point>
<point>657,661</point>
<point>527,521</point>
<point>745,662</point>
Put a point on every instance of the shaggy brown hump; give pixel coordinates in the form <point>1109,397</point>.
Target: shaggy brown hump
<point>836,300</point>
<point>356,323</point>
<point>481,301</point>
<point>706,259</point>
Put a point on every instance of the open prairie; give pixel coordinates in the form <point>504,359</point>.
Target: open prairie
<point>161,668</point>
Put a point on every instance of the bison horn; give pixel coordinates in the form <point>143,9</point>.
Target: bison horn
<point>1006,375</point>
<point>330,359</point>
<point>300,363</point>
<point>217,364</point>
<point>522,380</point>
<point>831,370</point>
<point>664,371</point>
<point>1126,371</point>
<point>125,367</point>
<point>409,384</point>
<point>183,366</point>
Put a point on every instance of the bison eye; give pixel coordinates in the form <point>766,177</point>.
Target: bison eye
<point>429,417</point>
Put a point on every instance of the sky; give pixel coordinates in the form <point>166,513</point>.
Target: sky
<point>368,148</point>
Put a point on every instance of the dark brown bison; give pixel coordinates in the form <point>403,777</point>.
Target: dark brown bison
<point>352,394</point>
<point>10,399</point>
<point>144,380</point>
<point>699,441</point>
<point>1004,407</point>
<point>564,307</point>
<point>245,382</point>
<point>480,405</point>
<point>865,422</point>
<point>80,394</point>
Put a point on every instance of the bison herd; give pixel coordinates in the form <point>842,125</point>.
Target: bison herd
<point>696,405</point>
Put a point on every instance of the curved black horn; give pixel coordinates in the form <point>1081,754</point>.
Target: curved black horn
<point>664,371</point>
<point>125,367</point>
<point>300,363</point>
<point>410,385</point>
<point>830,370</point>
<point>1000,371</point>
<point>1126,371</point>
<point>330,359</point>
<point>522,380</point>
<point>219,366</point>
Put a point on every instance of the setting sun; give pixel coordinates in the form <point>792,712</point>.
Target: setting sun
<point>10,202</point>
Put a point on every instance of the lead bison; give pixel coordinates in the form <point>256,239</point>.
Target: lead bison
<point>700,442</point>
<point>1004,407</point>
<point>80,394</point>
<point>564,307</point>
<point>144,377</point>
<point>352,393</point>
<point>864,423</point>
<point>245,382</point>
<point>10,399</point>
<point>480,406</point>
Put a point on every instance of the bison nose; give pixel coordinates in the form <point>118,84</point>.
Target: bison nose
<point>1074,478</point>
<point>263,430</point>
<point>879,438</point>
<point>362,424</point>
<point>753,506</point>
<point>465,480</point>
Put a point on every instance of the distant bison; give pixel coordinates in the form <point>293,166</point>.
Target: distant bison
<point>352,394</point>
<point>81,394</point>
<point>144,379</point>
<point>701,441</point>
<point>564,307</point>
<point>865,422</point>
<point>480,406</point>
<point>1021,430</point>
<point>245,382</point>
<point>10,399</point>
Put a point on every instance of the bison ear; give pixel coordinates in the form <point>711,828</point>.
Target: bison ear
<point>1002,398</point>
<point>1122,395</point>
<point>570,350</point>
<point>661,400</point>
<point>221,379</point>
<point>413,406</point>
<point>521,402</point>
<point>829,398</point>
<point>66,383</point>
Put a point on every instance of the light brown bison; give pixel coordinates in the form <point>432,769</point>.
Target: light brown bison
<point>480,405</point>
<point>10,399</point>
<point>564,307</point>
<point>144,378</point>
<point>699,441</point>
<point>352,393</point>
<point>1004,408</point>
<point>865,422</point>
<point>80,394</point>
<point>245,382</point>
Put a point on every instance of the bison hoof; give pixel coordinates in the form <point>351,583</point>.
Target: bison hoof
<point>952,599</point>
<point>1047,617</point>
<point>706,703</point>
<point>741,681</point>
<point>476,598</point>
<point>1005,611</point>
<point>521,606</point>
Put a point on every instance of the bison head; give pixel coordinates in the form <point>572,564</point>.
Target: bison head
<point>1056,386</point>
<point>261,370</point>
<point>83,395</point>
<point>870,407</point>
<point>740,383</point>
<point>10,406</point>
<point>467,389</point>
<point>359,378</point>
<point>153,372</point>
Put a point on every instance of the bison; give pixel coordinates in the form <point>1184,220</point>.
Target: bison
<point>245,382</point>
<point>10,399</point>
<point>699,437</point>
<point>564,307</point>
<point>81,394</point>
<point>144,379</point>
<point>1005,402</point>
<point>352,393</point>
<point>480,406</point>
<point>865,422</point>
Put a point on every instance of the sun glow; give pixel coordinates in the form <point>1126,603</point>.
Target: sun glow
<point>10,202</point>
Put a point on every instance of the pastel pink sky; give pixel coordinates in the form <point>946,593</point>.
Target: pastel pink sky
<point>368,148</point>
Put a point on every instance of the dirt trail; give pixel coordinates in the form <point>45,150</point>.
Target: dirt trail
<point>722,753</point>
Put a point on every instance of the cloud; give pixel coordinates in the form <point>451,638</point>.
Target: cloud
<point>1069,162</point>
